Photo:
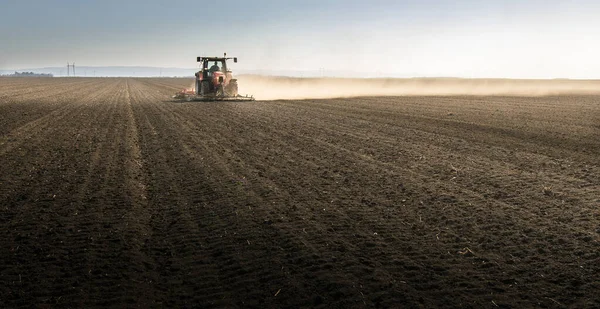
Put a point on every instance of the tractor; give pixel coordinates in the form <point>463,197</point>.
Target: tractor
<point>214,82</point>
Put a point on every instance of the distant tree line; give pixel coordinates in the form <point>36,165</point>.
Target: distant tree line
<point>29,74</point>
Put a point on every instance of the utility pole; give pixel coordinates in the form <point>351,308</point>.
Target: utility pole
<point>69,66</point>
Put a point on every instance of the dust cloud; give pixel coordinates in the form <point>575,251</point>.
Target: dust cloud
<point>289,88</point>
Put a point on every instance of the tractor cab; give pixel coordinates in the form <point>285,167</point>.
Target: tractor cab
<point>214,64</point>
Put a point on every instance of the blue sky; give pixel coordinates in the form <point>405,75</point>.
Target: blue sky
<point>519,39</point>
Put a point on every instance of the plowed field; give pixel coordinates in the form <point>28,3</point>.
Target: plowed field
<point>113,195</point>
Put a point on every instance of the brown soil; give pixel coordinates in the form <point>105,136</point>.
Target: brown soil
<point>113,195</point>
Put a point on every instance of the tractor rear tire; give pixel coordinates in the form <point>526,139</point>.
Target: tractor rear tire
<point>232,89</point>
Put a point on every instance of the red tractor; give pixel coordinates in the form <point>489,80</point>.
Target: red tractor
<point>214,82</point>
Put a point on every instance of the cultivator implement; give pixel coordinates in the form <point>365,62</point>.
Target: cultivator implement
<point>191,96</point>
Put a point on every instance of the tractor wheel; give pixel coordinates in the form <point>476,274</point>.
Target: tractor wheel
<point>232,89</point>
<point>205,87</point>
<point>197,87</point>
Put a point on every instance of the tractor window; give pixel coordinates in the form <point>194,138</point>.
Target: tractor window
<point>213,66</point>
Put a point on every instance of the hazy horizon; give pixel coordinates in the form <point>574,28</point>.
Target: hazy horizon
<point>466,39</point>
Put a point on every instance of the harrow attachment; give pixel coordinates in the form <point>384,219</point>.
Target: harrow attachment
<point>191,96</point>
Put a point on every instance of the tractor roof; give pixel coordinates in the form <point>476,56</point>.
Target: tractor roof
<point>213,58</point>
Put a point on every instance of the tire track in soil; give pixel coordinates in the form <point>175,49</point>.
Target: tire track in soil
<point>185,244</point>
<point>119,272</point>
